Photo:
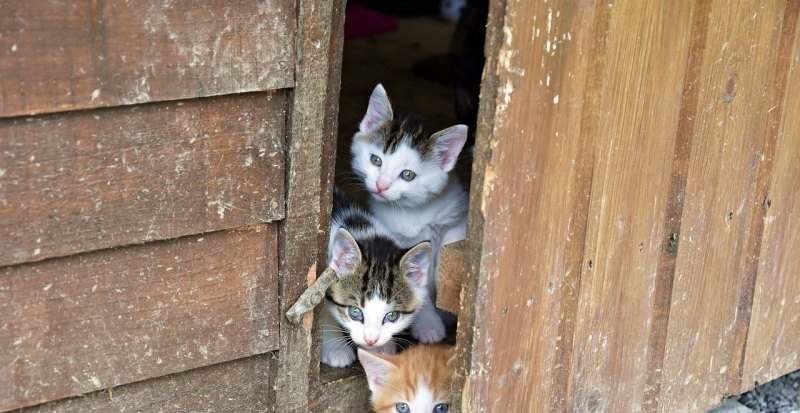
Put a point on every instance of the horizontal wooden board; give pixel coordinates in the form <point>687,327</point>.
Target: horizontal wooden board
<point>64,55</point>
<point>243,385</point>
<point>95,179</point>
<point>452,267</point>
<point>102,319</point>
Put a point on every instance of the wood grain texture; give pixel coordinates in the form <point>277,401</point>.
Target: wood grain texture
<point>665,275</point>
<point>308,171</point>
<point>773,342</point>
<point>472,282</point>
<point>97,320</point>
<point>534,191</point>
<point>66,55</point>
<point>348,394</point>
<point>243,385</point>
<point>452,267</point>
<point>96,179</point>
<point>327,172</point>
<point>637,133</point>
<point>736,74</point>
<point>610,137</point>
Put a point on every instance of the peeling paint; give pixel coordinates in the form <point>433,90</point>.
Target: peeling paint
<point>221,207</point>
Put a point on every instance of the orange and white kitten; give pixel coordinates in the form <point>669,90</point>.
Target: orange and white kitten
<point>414,381</point>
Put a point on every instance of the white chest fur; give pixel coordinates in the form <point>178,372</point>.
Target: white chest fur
<point>445,215</point>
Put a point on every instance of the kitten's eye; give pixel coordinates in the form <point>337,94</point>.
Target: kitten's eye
<point>391,317</point>
<point>408,175</point>
<point>355,313</point>
<point>376,160</point>
<point>441,408</point>
<point>401,408</point>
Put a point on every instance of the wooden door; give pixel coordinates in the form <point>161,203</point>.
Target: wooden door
<point>165,173</point>
<point>633,220</point>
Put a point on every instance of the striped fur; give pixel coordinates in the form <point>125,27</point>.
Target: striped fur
<point>403,129</point>
<point>430,205</point>
<point>382,281</point>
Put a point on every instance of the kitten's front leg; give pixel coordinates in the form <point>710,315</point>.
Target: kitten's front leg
<point>336,349</point>
<point>428,326</point>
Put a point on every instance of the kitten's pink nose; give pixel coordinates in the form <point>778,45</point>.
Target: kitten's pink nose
<point>382,184</point>
<point>370,341</point>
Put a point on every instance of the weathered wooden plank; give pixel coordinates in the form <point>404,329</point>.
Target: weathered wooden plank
<point>643,84</point>
<point>452,267</point>
<point>529,204</point>
<point>665,272</point>
<point>641,98</point>
<point>735,76</point>
<point>773,341</point>
<point>345,395</point>
<point>328,165</point>
<point>95,179</point>
<point>308,166</point>
<point>65,55</point>
<point>244,385</point>
<point>102,319</point>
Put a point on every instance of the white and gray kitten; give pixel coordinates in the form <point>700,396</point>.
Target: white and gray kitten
<point>381,289</point>
<point>406,170</point>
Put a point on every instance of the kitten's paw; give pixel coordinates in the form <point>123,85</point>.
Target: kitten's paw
<point>428,329</point>
<point>341,356</point>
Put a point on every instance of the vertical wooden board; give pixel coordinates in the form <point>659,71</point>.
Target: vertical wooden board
<point>665,271</point>
<point>773,342</point>
<point>239,386</point>
<point>65,55</point>
<point>308,172</point>
<point>96,179</point>
<point>102,319</point>
<point>528,205</point>
<point>720,202</point>
<point>328,168</point>
<point>642,90</point>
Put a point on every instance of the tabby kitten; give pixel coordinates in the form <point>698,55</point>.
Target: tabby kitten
<point>415,381</point>
<point>405,168</point>
<point>383,292</point>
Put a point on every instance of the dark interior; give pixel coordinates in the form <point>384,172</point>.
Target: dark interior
<point>429,66</point>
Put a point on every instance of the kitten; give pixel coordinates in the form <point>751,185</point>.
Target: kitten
<point>415,381</point>
<point>382,288</point>
<point>405,168</point>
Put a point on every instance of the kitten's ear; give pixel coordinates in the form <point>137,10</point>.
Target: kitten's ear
<point>448,145</point>
<point>415,264</point>
<point>378,112</point>
<point>345,254</point>
<point>377,369</point>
